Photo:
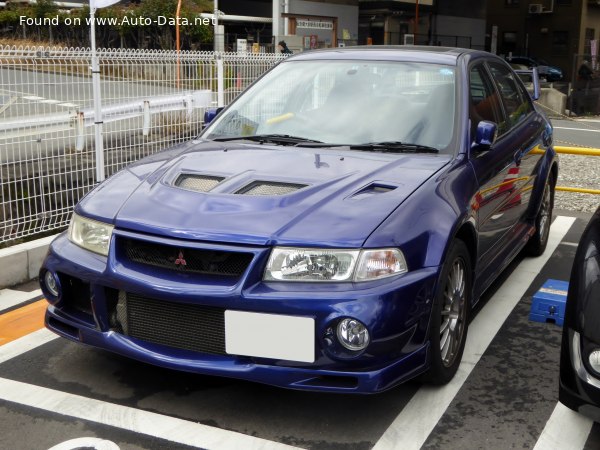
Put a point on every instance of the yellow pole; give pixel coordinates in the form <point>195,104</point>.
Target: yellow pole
<point>577,151</point>
<point>580,190</point>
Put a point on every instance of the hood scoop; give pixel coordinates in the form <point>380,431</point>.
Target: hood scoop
<point>269,188</point>
<point>198,183</point>
<point>374,189</point>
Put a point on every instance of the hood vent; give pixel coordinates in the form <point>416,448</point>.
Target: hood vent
<point>373,189</point>
<point>269,188</point>
<point>198,183</point>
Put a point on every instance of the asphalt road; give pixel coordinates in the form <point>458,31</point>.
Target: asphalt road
<point>504,395</point>
<point>29,99</point>
<point>26,93</point>
<point>578,133</point>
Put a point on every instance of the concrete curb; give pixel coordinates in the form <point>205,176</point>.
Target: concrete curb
<point>22,262</point>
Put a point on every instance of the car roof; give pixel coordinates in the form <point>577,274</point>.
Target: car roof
<point>412,53</point>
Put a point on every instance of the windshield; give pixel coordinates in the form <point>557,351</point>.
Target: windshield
<point>347,103</point>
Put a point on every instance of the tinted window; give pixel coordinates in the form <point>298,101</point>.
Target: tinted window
<point>514,97</point>
<point>484,103</point>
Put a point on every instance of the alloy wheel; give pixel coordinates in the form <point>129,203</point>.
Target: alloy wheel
<point>454,311</point>
<point>545,212</point>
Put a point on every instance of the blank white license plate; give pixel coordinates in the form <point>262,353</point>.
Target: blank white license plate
<point>274,336</point>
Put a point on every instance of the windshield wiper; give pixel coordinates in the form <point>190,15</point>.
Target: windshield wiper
<point>285,139</point>
<point>394,147</point>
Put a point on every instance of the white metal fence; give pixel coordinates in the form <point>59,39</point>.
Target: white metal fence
<point>150,100</point>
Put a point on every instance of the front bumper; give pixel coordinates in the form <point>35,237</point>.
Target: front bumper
<point>396,312</point>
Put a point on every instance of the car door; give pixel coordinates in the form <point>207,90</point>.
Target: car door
<point>497,170</point>
<point>525,127</point>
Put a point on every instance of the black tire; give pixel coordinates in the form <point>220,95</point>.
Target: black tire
<point>450,315</point>
<point>538,242</point>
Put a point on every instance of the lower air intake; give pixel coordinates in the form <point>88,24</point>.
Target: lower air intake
<point>184,326</point>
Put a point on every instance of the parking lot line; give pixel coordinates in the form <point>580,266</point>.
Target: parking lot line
<point>565,429</point>
<point>22,321</point>
<point>415,422</point>
<point>132,419</point>
<point>11,297</point>
<point>25,344</point>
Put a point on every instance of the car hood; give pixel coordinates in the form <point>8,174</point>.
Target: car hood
<point>324,196</point>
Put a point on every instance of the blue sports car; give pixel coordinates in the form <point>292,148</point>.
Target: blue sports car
<point>330,230</point>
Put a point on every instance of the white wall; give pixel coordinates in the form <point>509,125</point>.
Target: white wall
<point>347,17</point>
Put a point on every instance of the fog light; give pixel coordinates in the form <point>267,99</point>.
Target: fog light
<point>51,284</point>
<point>594,360</point>
<point>352,334</point>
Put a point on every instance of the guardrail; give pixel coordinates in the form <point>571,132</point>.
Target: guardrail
<point>150,100</point>
<point>80,119</point>
<point>582,152</point>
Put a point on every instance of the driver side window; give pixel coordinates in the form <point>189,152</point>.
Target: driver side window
<point>484,103</point>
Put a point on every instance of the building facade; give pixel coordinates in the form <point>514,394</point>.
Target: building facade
<point>551,30</point>
<point>426,22</point>
<point>303,24</point>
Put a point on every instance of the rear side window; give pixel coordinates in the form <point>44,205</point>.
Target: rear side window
<point>514,97</point>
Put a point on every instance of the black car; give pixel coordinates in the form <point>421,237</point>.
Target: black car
<point>580,353</point>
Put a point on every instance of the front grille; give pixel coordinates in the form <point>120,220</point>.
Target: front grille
<point>208,262</point>
<point>269,188</point>
<point>184,326</point>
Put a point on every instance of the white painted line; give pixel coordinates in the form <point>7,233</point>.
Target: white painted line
<point>132,419</point>
<point>68,105</point>
<point>32,97</point>
<point>86,442</point>
<point>570,244</point>
<point>25,344</point>
<point>10,298</point>
<point>577,129</point>
<point>565,429</point>
<point>422,413</point>
<point>50,101</point>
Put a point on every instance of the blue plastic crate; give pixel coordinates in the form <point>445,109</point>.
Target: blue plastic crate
<point>548,303</point>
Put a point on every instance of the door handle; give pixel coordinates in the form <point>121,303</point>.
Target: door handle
<point>518,157</point>
<point>547,139</point>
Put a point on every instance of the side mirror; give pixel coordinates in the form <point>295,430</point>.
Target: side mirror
<point>485,136</point>
<point>210,114</point>
<point>529,78</point>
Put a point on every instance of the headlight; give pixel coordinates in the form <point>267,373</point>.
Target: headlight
<point>304,264</point>
<point>90,234</point>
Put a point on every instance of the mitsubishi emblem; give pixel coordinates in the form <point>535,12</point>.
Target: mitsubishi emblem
<point>180,261</point>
